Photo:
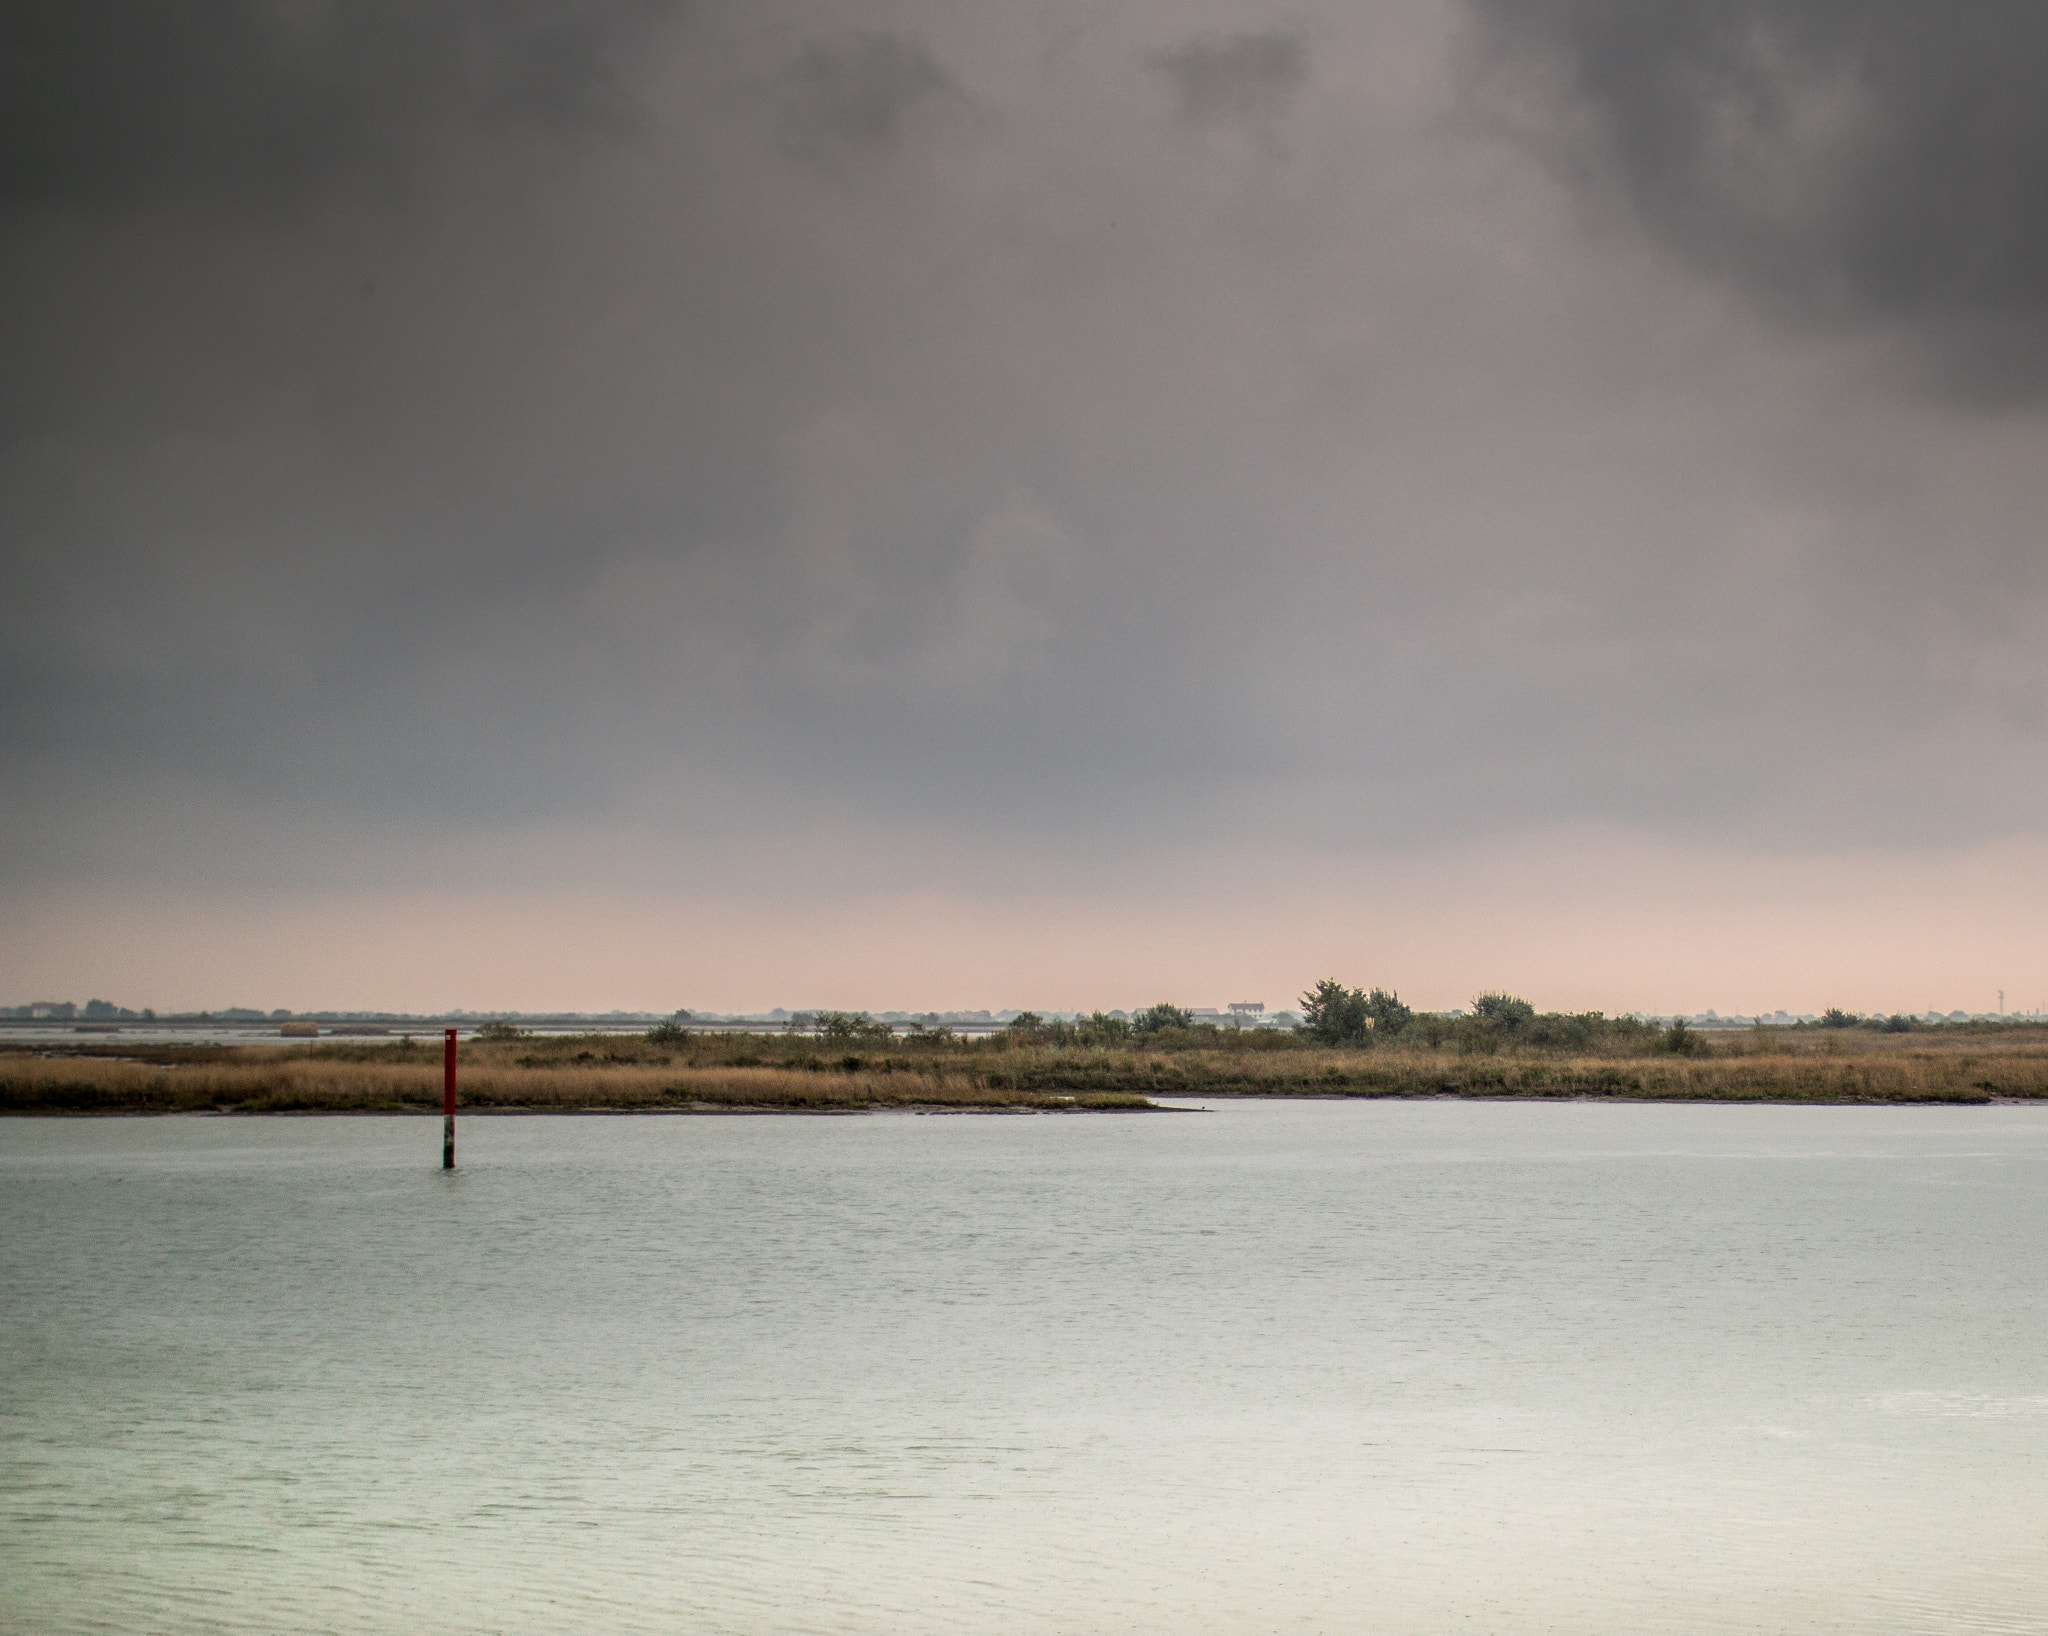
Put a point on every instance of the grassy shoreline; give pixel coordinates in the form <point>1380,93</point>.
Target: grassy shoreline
<point>797,1074</point>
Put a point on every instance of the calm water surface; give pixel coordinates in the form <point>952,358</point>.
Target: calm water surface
<point>1343,1367</point>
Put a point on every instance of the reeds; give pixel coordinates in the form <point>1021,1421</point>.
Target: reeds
<point>264,1081</point>
<point>628,1073</point>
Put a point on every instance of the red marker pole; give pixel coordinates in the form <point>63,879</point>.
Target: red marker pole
<point>448,1101</point>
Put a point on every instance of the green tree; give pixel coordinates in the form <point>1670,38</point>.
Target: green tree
<point>1154,1019</point>
<point>1389,1015</point>
<point>1335,1015</point>
<point>1836,1017</point>
<point>1680,1040</point>
<point>1102,1029</point>
<point>1504,1011</point>
<point>841,1026</point>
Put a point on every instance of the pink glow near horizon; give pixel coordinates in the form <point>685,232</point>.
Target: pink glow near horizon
<point>1570,925</point>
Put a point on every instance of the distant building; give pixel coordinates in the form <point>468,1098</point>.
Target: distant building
<point>55,1010</point>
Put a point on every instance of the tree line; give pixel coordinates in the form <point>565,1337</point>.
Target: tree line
<point>1332,1015</point>
<point>1354,1017</point>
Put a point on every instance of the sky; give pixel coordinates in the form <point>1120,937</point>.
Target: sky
<point>620,504</point>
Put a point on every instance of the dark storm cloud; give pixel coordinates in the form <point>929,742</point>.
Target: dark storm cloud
<point>109,103</point>
<point>1848,162</point>
<point>1238,76</point>
<point>853,97</point>
<point>1099,483</point>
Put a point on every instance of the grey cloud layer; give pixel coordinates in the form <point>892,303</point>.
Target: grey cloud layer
<point>1241,76</point>
<point>1851,161</point>
<point>857,96</point>
<point>115,103</point>
<point>1078,433</point>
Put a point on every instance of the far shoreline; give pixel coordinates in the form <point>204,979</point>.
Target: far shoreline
<point>656,1072</point>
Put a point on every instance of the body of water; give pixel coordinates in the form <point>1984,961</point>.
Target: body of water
<point>1311,1366</point>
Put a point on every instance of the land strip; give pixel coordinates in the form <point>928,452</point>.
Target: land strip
<point>733,1073</point>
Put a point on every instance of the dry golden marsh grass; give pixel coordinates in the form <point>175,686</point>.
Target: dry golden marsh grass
<point>275,1080</point>
<point>713,1073</point>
